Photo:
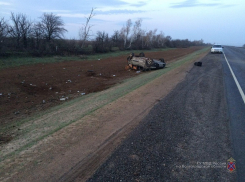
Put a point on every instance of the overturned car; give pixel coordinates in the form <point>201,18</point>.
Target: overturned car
<point>140,62</point>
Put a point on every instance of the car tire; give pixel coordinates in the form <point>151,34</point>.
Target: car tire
<point>141,54</point>
<point>162,60</point>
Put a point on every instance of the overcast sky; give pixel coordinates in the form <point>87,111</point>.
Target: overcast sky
<point>214,21</point>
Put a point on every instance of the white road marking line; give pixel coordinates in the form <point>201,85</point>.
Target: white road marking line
<point>236,81</point>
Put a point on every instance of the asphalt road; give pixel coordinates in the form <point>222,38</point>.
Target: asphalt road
<point>191,133</point>
<point>236,104</point>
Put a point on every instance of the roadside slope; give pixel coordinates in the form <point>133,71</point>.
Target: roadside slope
<point>185,137</point>
<point>92,126</point>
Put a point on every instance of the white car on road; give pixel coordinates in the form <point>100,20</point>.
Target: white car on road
<point>217,49</point>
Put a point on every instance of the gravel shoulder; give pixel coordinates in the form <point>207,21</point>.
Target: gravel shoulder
<point>185,137</point>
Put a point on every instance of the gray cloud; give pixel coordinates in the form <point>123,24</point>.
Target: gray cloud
<point>121,3</point>
<point>119,12</point>
<point>192,3</point>
<point>117,3</point>
<point>99,3</point>
<point>80,6</point>
<point>139,4</point>
<point>4,3</point>
<point>55,11</point>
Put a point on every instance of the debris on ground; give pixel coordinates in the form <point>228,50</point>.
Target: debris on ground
<point>17,112</point>
<point>198,63</point>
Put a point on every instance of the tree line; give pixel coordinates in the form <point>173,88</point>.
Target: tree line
<point>19,35</point>
<point>25,36</point>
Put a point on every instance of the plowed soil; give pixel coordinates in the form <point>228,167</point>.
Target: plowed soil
<point>27,90</point>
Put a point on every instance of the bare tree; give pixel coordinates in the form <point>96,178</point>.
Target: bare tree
<point>149,37</point>
<point>3,28</point>
<point>15,28</point>
<point>115,37</point>
<point>137,33</point>
<point>168,42</point>
<point>25,29</point>
<point>125,31</point>
<point>38,33</point>
<point>3,31</point>
<point>153,38</point>
<point>84,32</point>
<point>123,35</point>
<point>142,39</point>
<point>52,26</point>
<point>117,40</point>
<point>20,29</point>
<point>160,40</point>
<point>102,42</point>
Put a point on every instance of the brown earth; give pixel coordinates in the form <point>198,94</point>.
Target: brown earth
<point>76,151</point>
<point>27,90</point>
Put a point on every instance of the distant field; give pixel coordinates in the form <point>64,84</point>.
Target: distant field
<point>20,61</point>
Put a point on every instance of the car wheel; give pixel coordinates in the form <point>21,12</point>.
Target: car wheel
<point>141,54</point>
<point>162,60</point>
